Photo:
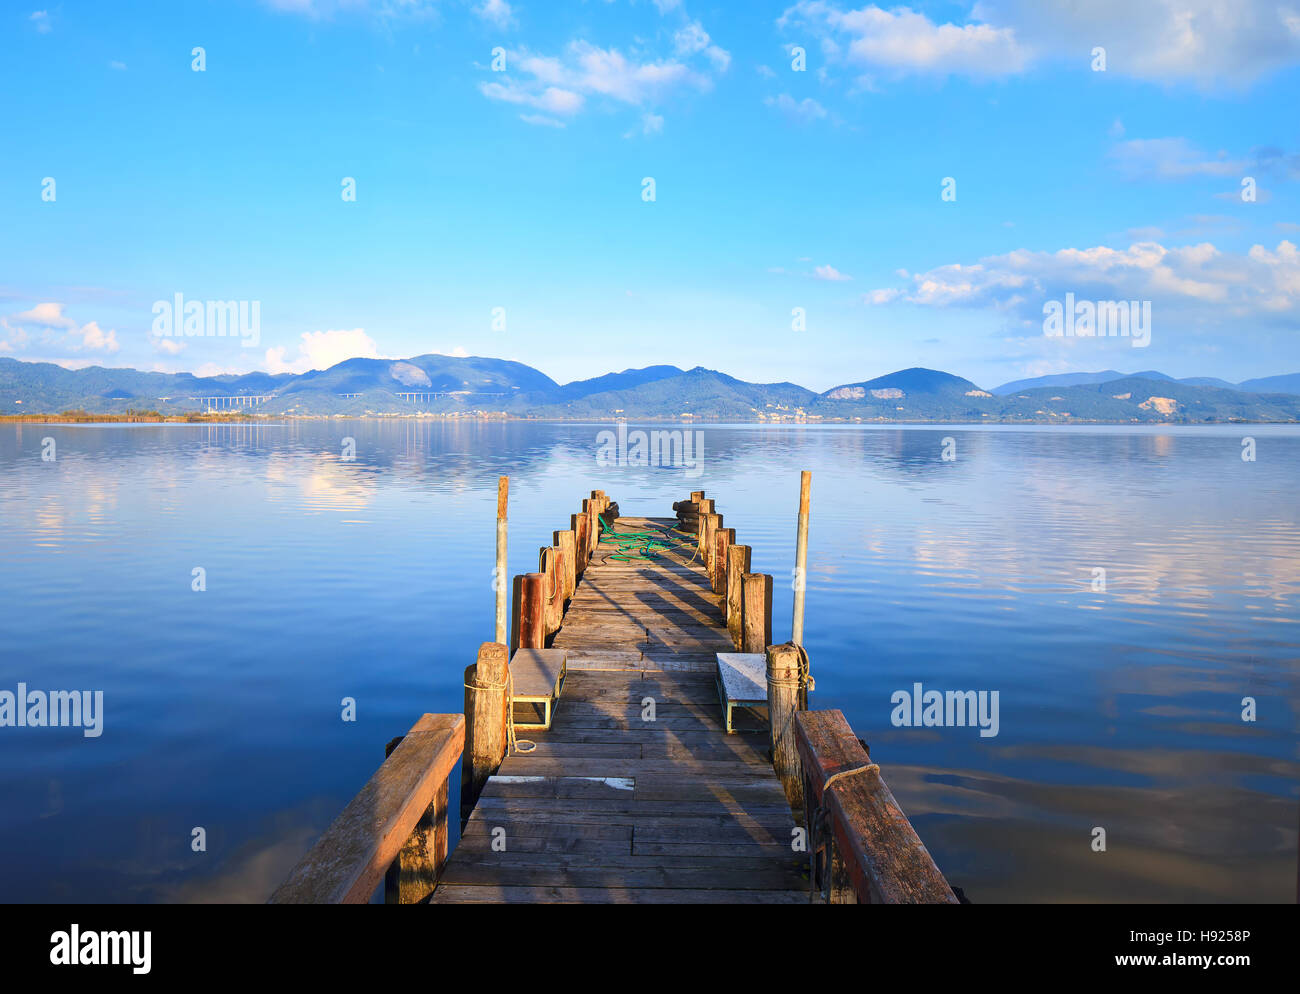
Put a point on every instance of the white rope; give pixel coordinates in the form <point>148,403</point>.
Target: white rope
<point>513,744</point>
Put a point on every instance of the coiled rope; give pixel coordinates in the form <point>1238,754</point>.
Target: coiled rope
<point>647,546</point>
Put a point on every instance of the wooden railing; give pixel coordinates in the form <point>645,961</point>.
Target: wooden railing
<point>869,851</point>
<point>396,825</point>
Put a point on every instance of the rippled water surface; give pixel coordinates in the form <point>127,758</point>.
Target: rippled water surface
<point>371,579</point>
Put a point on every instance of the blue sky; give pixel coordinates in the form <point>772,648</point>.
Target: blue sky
<point>775,189</point>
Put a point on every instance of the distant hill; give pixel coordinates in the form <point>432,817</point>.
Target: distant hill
<point>612,382</point>
<point>904,383</point>
<point>1289,383</point>
<point>1056,380</point>
<point>438,384</point>
<point>700,392</point>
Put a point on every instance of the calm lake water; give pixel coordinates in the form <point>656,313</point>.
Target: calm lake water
<point>371,579</point>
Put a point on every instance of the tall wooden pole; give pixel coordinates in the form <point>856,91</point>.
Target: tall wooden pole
<point>499,577</point>
<point>801,558</point>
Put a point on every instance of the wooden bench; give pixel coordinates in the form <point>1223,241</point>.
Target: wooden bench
<point>406,795</point>
<point>538,676</point>
<point>742,682</point>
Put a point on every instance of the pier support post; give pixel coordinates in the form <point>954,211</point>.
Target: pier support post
<point>801,558</point>
<point>705,509</point>
<point>722,540</point>
<point>566,542</point>
<point>485,722</point>
<point>413,875</point>
<point>579,524</point>
<point>528,629</point>
<point>499,579</point>
<point>783,686</point>
<point>756,613</point>
<point>550,562</point>
<point>737,567</point>
<point>589,511</point>
<point>709,525</point>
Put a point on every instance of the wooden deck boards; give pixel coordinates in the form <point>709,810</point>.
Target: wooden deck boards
<point>612,808</point>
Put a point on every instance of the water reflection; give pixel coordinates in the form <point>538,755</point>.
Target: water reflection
<point>370,577</point>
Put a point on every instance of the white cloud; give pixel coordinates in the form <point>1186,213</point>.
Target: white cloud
<point>542,120</point>
<point>1207,42</point>
<point>167,346</point>
<point>46,316</point>
<point>1204,41</point>
<point>119,66</point>
<point>51,320</point>
<point>385,9</point>
<point>1196,282</point>
<point>806,109</point>
<point>92,337</point>
<point>1171,158</point>
<point>496,12</point>
<point>322,349</point>
<point>560,85</point>
<point>13,339</point>
<point>904,41</point>
<point>552,99</point>
<point>830,273</point>
<point>40,20</point>
<point>693,39</point>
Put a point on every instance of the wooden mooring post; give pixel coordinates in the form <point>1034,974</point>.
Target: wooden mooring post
<point>566,542</point>
<point>486,688</point>
<point>722,541</point>
<point>738,564</point>
<point>551,565</point>
<point>756,612</point>
<point>528,624</point>
<point>784,685</point>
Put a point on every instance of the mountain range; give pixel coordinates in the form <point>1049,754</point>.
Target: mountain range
<point>453,385</point>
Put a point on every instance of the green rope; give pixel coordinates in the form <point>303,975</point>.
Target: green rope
<point>641,545</point>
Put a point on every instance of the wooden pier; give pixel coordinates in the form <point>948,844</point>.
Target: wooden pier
<point>636,792</point>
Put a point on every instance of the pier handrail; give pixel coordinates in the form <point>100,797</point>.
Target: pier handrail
<point>873,843</point>
<point>351,857</point>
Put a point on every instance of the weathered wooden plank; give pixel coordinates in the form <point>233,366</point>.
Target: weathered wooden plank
<point>596,895</point>
<point>885,858</point>
<point>766,876</point>
<point>351,857</point>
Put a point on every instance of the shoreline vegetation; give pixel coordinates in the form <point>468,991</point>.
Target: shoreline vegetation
<point>243,417</point>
